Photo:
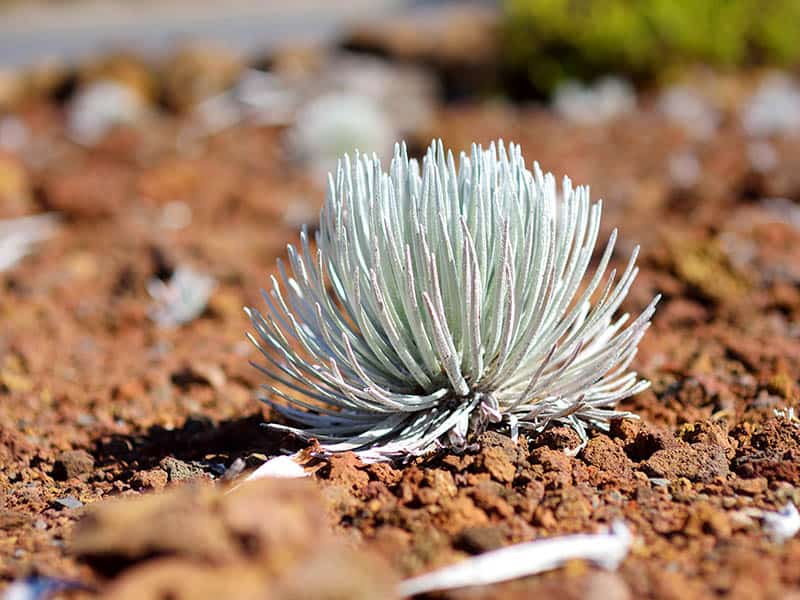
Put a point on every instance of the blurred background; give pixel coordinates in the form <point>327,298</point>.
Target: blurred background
<point>122,87</point>
<point>156,157</point>
<point>83,79</point>
<point>197,120</point>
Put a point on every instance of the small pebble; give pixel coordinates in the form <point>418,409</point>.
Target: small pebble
<point>72,463</point>
<point>85,420</point>
<point>218,469</point>
<point>70,502</point>
<point>235,469</point>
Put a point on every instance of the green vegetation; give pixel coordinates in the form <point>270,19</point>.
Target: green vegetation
<point>548,41</point>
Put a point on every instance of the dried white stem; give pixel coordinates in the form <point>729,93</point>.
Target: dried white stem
<point>607,550</point>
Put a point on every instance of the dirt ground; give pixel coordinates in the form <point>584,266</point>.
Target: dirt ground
<point>97,401</point>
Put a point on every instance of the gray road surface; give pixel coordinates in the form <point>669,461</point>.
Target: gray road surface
<point>75,29</point>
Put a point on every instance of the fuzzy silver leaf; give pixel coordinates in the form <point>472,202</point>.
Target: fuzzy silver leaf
<point>443,299</point>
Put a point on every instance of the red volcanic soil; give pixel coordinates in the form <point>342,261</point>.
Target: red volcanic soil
<point>97,402</point>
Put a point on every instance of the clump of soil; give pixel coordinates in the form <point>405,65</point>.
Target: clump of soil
<point>266,539</point>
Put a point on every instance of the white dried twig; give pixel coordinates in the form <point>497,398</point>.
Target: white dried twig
<point>441,300</point>
<point>607,550</point>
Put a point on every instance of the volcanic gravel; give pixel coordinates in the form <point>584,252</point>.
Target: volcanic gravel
<point>98,402</point>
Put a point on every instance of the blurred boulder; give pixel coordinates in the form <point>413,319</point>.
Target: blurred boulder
<point>406,93</point>
<point>265,539</point>
<point>296,63</point>
<point>197,72</point>
<point>774,108</point>
<point>124,68</point>
<point>337,123</point>
<point>100,106</point>
<point>459,42</point>
<point>91,191</point>
<point>15,187</point>
<point>179,579</point>
<point>18,238</point>
<point>608,99</point>
<point>47,78</point>
<point>11,88</point>
<point>688,108</point>
<point>359,102</point>
<point>332,103</point>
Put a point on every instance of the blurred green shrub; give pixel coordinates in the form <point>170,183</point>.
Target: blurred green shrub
<point>548,41</point>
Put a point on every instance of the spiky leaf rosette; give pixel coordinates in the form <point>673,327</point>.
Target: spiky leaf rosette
<point>441,301</point>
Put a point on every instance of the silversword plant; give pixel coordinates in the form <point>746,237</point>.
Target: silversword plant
<point>443,299</point>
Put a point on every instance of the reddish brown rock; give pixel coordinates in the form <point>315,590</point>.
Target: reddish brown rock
<point>499,466</point>
<point>152,479</point>
<point>346,470</point>
<point>98,191</point>
<point>609,458</point>
<point>179,579</point>
<point>72,463</point>
<point>555,466</point>
<point>698,462</point>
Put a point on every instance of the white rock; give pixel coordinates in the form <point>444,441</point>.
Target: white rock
<point>19,236</point>
<point>762,156</point>
<point>339,123</point>
<point>101,106</point>
<point>782,525</point>
<point>606,100</point>
<point>684,169</point>
<point>14,134</point>
<point>279,466</point>
<point>686,108</point>
<point>182,299</point>
<point>774,108</point>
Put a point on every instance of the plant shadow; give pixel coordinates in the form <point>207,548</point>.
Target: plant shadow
<point>200,442</point>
